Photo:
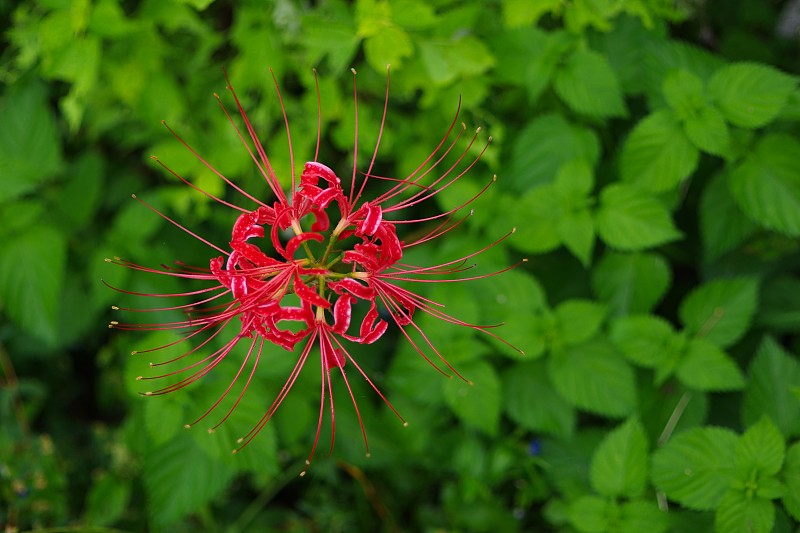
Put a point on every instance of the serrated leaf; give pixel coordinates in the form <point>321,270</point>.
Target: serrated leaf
<point>30,152</point>
<point>163,417</point>
<point>708,131</point>
<point>629,219</point>
<point>647,340</point>
<point>791,476</point>
<point>738,511</point>
<point>766,185</point>
<point>684,92</point>
<point>595,378</point>
<point>630,283</point>
<point>589,514</point>
<point>478,404</point>
<point>723,225</point>
<point>544,145</point>
<point>720,311</point>
<point>619,466</point>
<point>760,449</point>
<point>579,320</point>
<point>391,46</point>
<point>772,375</point>
<point>180,478</point>
<point>696,468</point>
<point>576,231</point>
<point>641,515</point>
<point>588,85</point>
<point>32,270</point>
<point>705,367</point>
<point>531,401</point>
<point>413,14</point>
<point>750,95</point>
<point>534,216</point>
<point>657,154</point>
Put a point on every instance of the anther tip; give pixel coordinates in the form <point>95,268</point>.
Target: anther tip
<point>478,129</point>
<point>303,473</point>
<point>187,426</point>
<point>514,229</point>
<point>133,196</point>
<point>107,260</point>
<point>490,138</point>
<point>470,383</point>
<point>152,365</point>
<point>210,431</point>
<point>308,463</point>
<point>148,393</point>
<point>525,260</point>
<point>234,452</point>
<point>353,71</point>
<point>239,440</point>
<point>134,352</point>
<point>405,424</point>
<point>164,122</point>
<point>138,378</point>
<point>368,455</point>
<point>154,157</point>
<point>115,308</point>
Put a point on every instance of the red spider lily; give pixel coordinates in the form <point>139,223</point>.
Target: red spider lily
<point>319,266</point>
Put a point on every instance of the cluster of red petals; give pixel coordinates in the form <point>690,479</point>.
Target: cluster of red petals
<point>341,253</point>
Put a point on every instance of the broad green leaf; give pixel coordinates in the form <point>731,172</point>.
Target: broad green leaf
<point>590,514</point>
<point>657,154</point>
<point>579,320</point>
<point>766,185</point>
<point>164,417</point>
<point>708,131</point>
<point>630,283</point>
<point>629,219</point>
<point>723,225</point>
<point>772,375</point>
<point>619,466</point>
<point>447,59</point>
<point>576,231</point>
<point>478,403</point>
<point>518,13</point>
<point>643,515</point>
<point>390,46</point>
<point>646,340</point>
<point>791,476</point>
<point>684,92</point>
<point>413,14</point>
<point>32,273</point>
<point>107,500</point>
<point>595,378</point>
<point>720,311</point>
<point>574,181</point>
<point>30,153</point>
<point>79,197</point>
<point>760,449</point>
<point>750,95</point>
<point>706,367</point>
<point>531,401</point>
<point>180,478</point>
<point>587,84</point>
<point>535,218</point>
<point>739,511</point>
<point>778,309</point>
<point>696,467</point>
<point>544,146</point>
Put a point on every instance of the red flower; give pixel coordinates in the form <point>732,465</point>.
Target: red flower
<point>358,261</point>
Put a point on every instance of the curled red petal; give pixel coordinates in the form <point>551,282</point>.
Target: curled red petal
<point>342,312</point>
<point>372,219</point>
<point>295,242</point>
<point>307,294</point>
<point>351,285</point>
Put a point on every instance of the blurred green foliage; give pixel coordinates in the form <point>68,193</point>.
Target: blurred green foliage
<point>647,151</point>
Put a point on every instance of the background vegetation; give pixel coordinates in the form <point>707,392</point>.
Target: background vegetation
<point>647,151</point>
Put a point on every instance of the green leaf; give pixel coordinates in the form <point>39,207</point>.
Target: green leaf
<point>594,377</point>
<point>446,59</point>
<point>720,310</point>
<point>708,131</point>
<point>750,95</point>
<point>772,375</point>
<point>590,514</point>
<point>163,416</point>
<point>619,466</point>
<point>576,231</point>
<point>478,403</point>
<point>79,198</point>
<point>413,14</point>
<point>760,449</point>
<point>705,367</point>
<point>630,283</point>
<point>629,219</point>
<point>588,85</point>
<point>30,153</point>
<point>738,511</point>
<point>657,154</point>
<point>107,500</point>
<point>544,146</point>
<point>641,515</point>
<point>32,272</point>
<point>531,401</point>
<point>534,216</point>
<point>684,92</point>
<point>791,476</point>
<point>696,468</point>
<point>647,340</point>
<point>523,13</point>
<point>766,185</point>
<point>723,225</point>
<point>579,320</point>
<point>180,478</point>
<point>388,47</point>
